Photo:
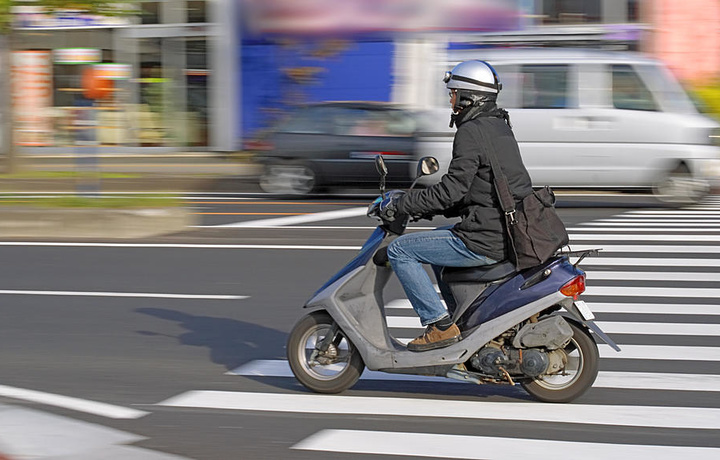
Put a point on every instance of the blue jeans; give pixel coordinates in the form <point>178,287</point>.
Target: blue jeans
<point>440,248</point>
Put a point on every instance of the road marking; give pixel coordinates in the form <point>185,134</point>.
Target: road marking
<point>688,249</point>
<point>614,307</point>
<point>605,379</point>
<point>652,276</point>
<point>661,221</point>
<point>315,217</point>
<point>641,416</point>
<point>76,404</point>
<point>610,327</point>
<point>489,448</point>
<point>652,291</point>
<point>651,262</point>
<point>701,212</point>
<point>293,203</point>
<point>178,246</point>
<point>634,228</point>
<point>251,213</point>
<point>661,352</point>
<point>652,308</point>
<point>125,294</point>
<point>575,237</point>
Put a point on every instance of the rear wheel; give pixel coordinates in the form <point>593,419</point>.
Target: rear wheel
<point>679,187</point>
<point>332,371</point>
<point>288,177</point>
<point>576,377</point>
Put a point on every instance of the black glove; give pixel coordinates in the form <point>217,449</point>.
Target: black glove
<point>388,208</point>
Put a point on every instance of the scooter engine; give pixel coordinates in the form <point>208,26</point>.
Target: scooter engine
<point>493,361</point>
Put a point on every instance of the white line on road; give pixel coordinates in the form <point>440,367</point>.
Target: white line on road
<point>125,294</point>
<point>636,228</point>
<point>651,262</point>
<point>610,327</point>
<point>653,291</point>
<point>488,448</point>
<point>605,379</point>
<point>661,352</point>
<point>652,276</point>
<point>615,307</point>
<point>178,246</point>
<point>575,237</point>
<point>652,308</point>
<point>76,404</point>
<point>673,212</point>
<point>314,217</point>
<point>683,249</point>
<point>644,416</point>
<point>669,220</point>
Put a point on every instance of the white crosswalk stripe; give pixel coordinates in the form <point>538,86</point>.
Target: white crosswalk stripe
<point>669,265</point>
<point>487,448</point>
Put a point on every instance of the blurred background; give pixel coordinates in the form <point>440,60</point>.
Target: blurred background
<point>215,76</point>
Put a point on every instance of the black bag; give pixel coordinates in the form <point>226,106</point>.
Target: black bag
<point>534,229</point>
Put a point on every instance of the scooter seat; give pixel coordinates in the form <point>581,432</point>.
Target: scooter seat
<point>481,274</point>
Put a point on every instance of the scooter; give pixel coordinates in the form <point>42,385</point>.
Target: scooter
<point>527,327</point>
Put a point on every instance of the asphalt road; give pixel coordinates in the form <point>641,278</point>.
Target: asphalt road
<point>201,319</point>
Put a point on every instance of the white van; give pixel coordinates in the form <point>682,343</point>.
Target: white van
<point>594,120</point>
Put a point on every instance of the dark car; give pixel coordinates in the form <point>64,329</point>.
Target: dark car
<point>334,144</point>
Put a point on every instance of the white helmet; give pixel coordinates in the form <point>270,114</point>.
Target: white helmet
<point>473,76</point>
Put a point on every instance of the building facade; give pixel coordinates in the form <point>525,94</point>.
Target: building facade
<point>180,93</point>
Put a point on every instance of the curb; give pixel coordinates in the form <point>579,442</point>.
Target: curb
<point>93,222</point>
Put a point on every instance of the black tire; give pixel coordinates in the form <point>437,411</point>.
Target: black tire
<point>583,360</point>
<point>344,364</point>
<point>288,178</point>
<point>679,188</point>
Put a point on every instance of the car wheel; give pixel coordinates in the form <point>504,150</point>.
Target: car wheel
<point>679,187</point>
<point>290,178</point>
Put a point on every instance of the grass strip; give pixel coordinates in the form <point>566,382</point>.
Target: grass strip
<point>102,201</point>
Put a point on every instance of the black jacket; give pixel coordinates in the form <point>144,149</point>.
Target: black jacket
<point>467,190</point>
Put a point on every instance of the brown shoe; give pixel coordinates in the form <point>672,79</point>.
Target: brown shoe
<point>435,338</point>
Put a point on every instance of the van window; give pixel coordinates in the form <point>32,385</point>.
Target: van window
<point>544,86</point>
<point>629,91</point>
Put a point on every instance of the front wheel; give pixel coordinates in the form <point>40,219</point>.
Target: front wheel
<point>576,377</point>
<point>331,371</point>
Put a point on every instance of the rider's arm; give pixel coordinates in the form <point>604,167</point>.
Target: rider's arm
<point>454,185</point>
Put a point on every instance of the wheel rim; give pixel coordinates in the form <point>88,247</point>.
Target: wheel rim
<point>571,372</point>
<point>288,178</point>
<point>330,366</point>
<point>681,188</point>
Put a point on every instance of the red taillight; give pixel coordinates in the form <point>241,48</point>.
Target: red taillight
<point>575,287</point>
<point>256,145</point>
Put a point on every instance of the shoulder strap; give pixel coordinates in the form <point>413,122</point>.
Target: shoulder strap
<point>502,188</point>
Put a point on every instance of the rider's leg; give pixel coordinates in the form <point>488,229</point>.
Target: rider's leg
<point>440,247</point>
<point>445,291</point>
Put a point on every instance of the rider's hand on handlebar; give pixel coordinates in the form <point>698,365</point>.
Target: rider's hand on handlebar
<point>385,206</point>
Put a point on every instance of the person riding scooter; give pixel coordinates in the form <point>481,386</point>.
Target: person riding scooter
<point>467,191</point>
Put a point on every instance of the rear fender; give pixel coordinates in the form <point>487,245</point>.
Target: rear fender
<point>572,313</point>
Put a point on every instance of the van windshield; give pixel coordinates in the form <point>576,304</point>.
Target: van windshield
<point>667,89</point>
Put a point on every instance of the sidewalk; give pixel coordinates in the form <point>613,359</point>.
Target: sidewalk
<point>176,172</point>
<point>33,434</point>
<point>162,173</point>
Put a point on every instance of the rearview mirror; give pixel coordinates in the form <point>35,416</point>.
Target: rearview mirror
<point>380,165</point>
<point>427,166</point>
